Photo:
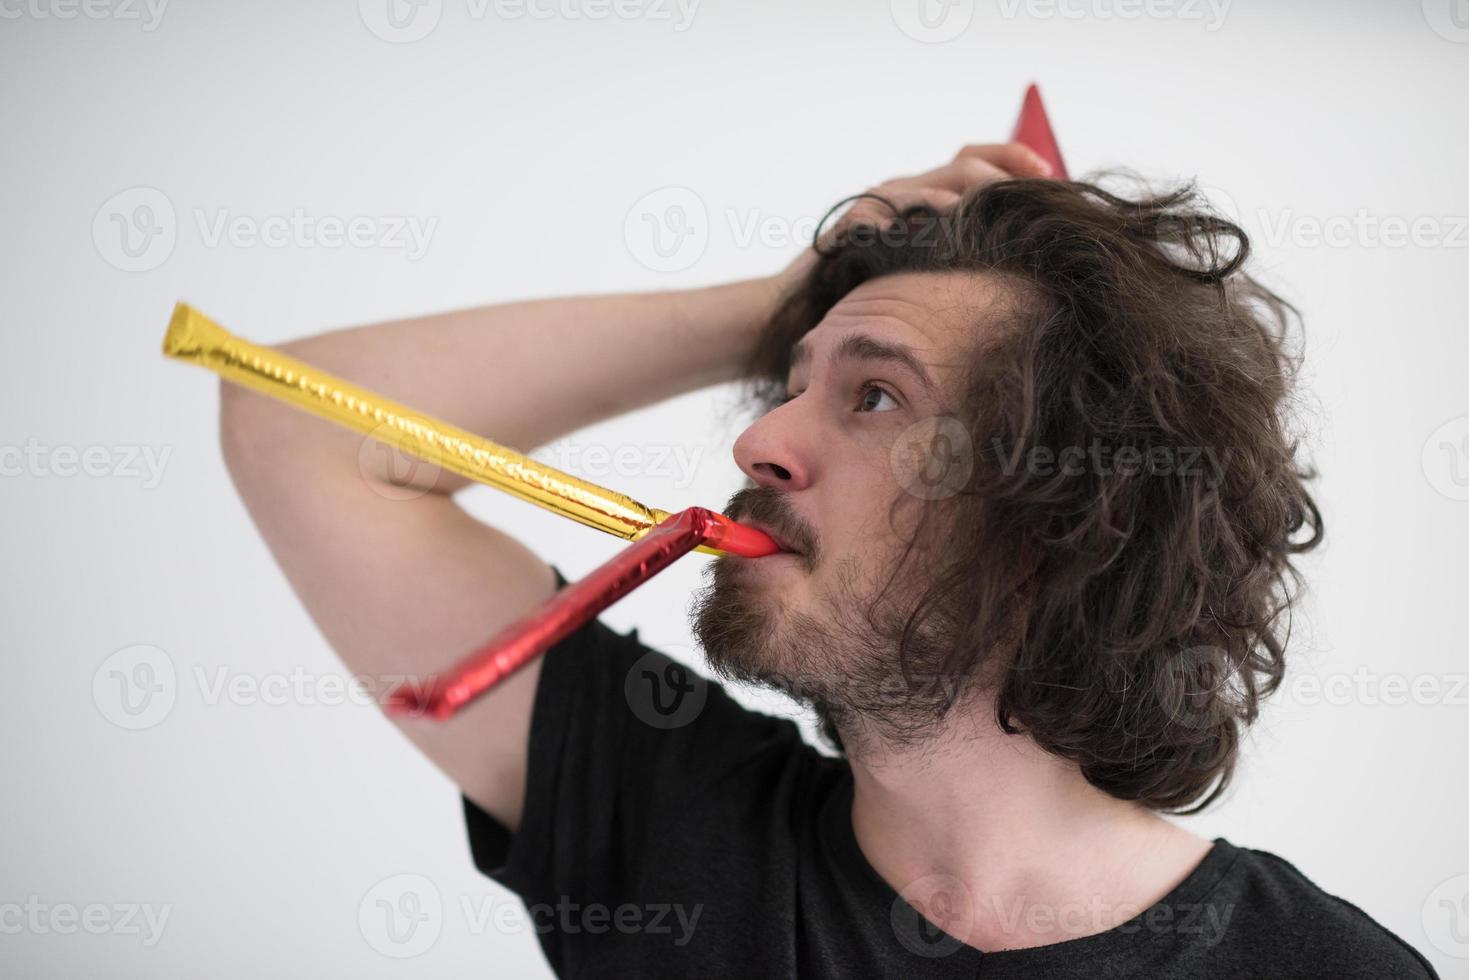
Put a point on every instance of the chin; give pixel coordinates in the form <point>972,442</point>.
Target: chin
<point>754,629</point>
<point>752,633</point>
<point>739,623</point>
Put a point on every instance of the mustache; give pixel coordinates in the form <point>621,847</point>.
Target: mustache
<point>772,508</point>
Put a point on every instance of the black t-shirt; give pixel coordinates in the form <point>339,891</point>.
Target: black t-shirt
<point>670,832</point>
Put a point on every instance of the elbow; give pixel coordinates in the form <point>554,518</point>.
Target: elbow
<point>249,426</point>
<point>234,420</point>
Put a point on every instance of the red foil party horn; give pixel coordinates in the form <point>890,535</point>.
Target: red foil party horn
<point>1033,129</point>
<point>442,695</point>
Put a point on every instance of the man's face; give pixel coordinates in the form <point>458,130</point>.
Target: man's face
<point>875,373</point>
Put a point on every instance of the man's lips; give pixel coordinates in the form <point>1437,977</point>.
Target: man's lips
<point>776,536</point>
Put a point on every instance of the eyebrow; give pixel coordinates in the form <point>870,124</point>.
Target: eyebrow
<point>861,347</point>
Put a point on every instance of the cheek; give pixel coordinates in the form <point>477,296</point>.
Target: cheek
<point>932,459</point>
<point>857,527</point>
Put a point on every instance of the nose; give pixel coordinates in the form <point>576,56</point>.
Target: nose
<point>774,453</point>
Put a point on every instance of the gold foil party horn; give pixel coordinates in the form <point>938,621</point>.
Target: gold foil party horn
<point>194,337</point>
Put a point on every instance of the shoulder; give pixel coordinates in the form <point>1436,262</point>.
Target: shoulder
<point>1318,934</point>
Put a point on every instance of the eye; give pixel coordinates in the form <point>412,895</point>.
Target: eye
<point>872,398</point>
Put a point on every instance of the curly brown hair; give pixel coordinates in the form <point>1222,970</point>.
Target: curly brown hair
<point>1137,614</point>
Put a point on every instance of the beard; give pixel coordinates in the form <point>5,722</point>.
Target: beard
<point>849,661</point>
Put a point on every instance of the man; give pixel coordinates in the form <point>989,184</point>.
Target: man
<point>1025,445</point>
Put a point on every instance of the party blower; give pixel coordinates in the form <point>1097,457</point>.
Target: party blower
<point>659,537</point>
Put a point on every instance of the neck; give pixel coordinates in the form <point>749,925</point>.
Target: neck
<point>1024,851</point>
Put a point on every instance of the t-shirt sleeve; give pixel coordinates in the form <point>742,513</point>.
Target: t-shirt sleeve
<point>623,738</point>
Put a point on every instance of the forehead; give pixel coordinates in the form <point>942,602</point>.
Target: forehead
<point>938,315</point>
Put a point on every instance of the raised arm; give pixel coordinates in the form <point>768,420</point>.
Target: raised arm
<point>402,584</point>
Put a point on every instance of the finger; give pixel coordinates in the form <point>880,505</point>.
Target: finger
<point>901,195</point>
<point>963,174</point>
<point>1017,158</point>
<point>940,198</point>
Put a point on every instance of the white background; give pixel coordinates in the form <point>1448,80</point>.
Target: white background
<point>263,830</point>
